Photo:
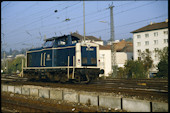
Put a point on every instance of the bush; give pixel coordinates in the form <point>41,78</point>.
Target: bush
<point>135,69</point>
<point>163,69</point>
<point>163,64</point>
<point>14,65</point>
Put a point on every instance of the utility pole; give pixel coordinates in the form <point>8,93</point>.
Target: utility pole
<point>84,18</point>
<point>112,38</point>
<point>4,62</point>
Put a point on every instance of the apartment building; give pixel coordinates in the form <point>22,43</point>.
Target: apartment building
<point>150,38</point>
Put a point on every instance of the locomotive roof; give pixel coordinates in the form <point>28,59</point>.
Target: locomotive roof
<point>61,37</point>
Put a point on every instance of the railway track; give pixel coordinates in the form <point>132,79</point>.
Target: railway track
<point>13,77</point>
<point>141,84</point>
<point>142,88</point>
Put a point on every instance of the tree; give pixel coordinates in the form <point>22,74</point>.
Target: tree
<point>163,69</point>
<point>135,69</point>
<point>163,64</point>
<point>15,64</point>
<point>121,73</point>
<point>147,60</point>
<point>163,54</point>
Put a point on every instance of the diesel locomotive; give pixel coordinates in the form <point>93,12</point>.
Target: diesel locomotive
<point>63,58</point>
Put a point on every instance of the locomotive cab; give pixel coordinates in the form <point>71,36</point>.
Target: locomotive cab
<point>63,59</point>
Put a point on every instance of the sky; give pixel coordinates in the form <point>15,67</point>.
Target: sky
<point>25,24</point>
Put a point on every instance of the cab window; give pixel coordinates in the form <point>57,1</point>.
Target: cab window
<point>61,42</point>
<point>48,44</point>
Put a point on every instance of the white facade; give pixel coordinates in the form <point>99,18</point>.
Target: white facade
<point>99,42</point>
<point>122,57</point>
<point>19,55</point>
<point>152,40</point>
<point>105,60</point>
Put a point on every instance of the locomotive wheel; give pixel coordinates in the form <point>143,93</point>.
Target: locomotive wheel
<point>80,79</point>
<point>87,81</point>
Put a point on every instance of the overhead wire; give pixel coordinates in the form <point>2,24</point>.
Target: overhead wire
<point>108,15</point>
<point>136,7</point>
<point>43,18</point>
<point>35,13</point>
<point>88,14</point>
<point>77,16</point>
<point>115,14</point>
<point>129,23</point>
<point>116,26</point>
<point>64,21</point>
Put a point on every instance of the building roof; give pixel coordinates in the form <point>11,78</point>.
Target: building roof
<point>121,46</point>
<point>128,48</point>
<point>80,37</point>
<point>86,37</point>
<point>152,26</point>
<point>93,38</point>
<point>104,47</point>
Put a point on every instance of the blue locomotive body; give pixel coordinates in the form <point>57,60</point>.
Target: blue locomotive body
<point>63,59</point>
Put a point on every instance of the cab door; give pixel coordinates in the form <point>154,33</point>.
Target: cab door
<point>46,58</point>
<point>42,63</point>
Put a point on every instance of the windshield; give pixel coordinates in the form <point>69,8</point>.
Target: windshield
<point>48,44</point>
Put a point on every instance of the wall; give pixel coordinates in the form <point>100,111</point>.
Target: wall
<point>91,98</point>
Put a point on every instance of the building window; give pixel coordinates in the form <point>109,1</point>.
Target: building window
<point>166,32</point>
<point>165,41</point>
<point>138,43</point>
<point>155,42</point>
<point>146,35</point>
<point>139,58</point>
<point>139,52</point>
<point>155,34</point>
<point>138,36</point>
<point>146,43</point>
